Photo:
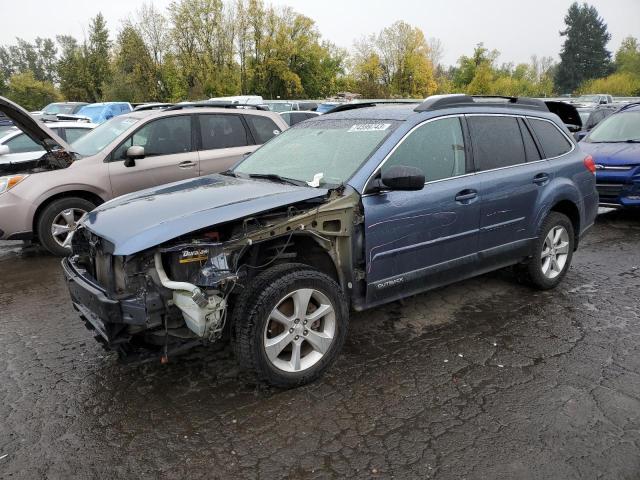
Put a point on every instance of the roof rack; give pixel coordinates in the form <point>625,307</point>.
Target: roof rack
<point>216,104</point>
<point>438,102</point>
<point>352,106</point>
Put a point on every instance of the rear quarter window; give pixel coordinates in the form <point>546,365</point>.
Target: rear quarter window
<point>553,142</point>
<point>263,128</point>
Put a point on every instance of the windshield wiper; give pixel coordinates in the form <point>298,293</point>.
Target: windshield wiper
<point>229,173</point>
<point>278,178</point>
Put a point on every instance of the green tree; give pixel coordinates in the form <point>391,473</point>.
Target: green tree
<point>584,54</point>
<point>628,56</point>
<point>31,93</point>
<point>97,55</point>
<point>72,70</point>
<point>134,71</point>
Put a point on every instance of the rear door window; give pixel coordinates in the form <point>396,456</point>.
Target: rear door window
<point>436,148</point>
<point>553,142</point>
<point>222,131</point>
<point>263,128</point>
<point>497,142</point>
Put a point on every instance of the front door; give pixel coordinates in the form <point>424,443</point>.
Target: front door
<point>419,239</point>
<point>169,156</point>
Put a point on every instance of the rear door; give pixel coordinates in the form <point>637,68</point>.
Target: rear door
<point>416,239</point>
<point>224,139</point>
<point>511,175</point>
<point>169,156</point>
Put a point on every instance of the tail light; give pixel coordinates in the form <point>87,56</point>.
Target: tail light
<point>590,164</point>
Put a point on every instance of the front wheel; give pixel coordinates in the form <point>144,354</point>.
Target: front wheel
<point>290,325</point>
<point>58,220</point>
<point>552,252</point>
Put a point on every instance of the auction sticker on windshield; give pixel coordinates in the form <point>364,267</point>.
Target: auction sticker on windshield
<point>369,127</point>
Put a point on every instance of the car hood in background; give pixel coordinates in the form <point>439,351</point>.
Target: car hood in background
<point>144,219</point>
<point>30,126</point>
<point>613,153</point>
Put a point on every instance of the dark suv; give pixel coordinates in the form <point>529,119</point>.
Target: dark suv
<point>349,210</point>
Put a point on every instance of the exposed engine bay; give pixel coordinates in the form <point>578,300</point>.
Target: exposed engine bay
<point>181,293</point>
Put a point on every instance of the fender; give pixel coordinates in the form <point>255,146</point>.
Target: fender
<point>559,189</point>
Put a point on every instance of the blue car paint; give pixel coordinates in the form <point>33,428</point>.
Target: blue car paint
<point>101,112</point>
<point>617,172</point>
<point>159,214</point>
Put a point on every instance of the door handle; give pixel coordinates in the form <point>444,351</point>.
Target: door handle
<point>541,178</point>
<point>187,164</point>
<point>465,196</point>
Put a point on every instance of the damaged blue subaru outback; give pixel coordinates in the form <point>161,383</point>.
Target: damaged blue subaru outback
<point>368,204</point>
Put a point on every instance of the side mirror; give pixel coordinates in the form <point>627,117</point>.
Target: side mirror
<point>134,153</point>
<point>400,177</point>
<point>4,150</point>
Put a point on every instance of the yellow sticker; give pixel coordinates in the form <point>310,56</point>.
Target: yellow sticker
<point>188,256</point>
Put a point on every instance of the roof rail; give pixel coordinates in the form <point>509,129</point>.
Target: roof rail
<point>352,106</point>
<point>438,102</point>
<point>215,104</point>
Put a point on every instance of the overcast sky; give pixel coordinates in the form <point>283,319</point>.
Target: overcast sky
<point>517,28</point>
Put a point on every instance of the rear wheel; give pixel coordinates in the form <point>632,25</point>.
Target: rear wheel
<point>290,325</point>
<point>58,220</point>
<point>552,253</point>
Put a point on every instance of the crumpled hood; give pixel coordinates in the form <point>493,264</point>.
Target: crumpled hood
<point>144,219</point>
<point>613,153</point>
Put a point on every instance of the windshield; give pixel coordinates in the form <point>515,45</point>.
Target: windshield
<point>103,135</point>
<point>622,127</point>
<point>280,106</point>
<point>55,108</point>
<point>319,152</point>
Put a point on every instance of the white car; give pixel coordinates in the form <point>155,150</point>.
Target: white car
<point>16,146</point>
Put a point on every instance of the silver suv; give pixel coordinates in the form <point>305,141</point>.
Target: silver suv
<point>43,199</point>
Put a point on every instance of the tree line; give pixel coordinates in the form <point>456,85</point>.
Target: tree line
<point>198,49</point>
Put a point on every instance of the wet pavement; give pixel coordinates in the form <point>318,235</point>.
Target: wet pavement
<point>482,379</point>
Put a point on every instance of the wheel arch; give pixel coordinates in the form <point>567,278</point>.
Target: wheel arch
<point>301,247</point>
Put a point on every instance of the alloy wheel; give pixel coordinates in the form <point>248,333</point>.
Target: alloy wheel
<point>555,251</point>
<point>300,330</point>
<point>64,223</point>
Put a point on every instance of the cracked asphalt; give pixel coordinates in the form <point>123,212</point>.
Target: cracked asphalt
<point>482,379</point>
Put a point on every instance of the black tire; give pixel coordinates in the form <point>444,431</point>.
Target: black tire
<point>531,271</point>
<point>254,306</point>
<point>49,214</point>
